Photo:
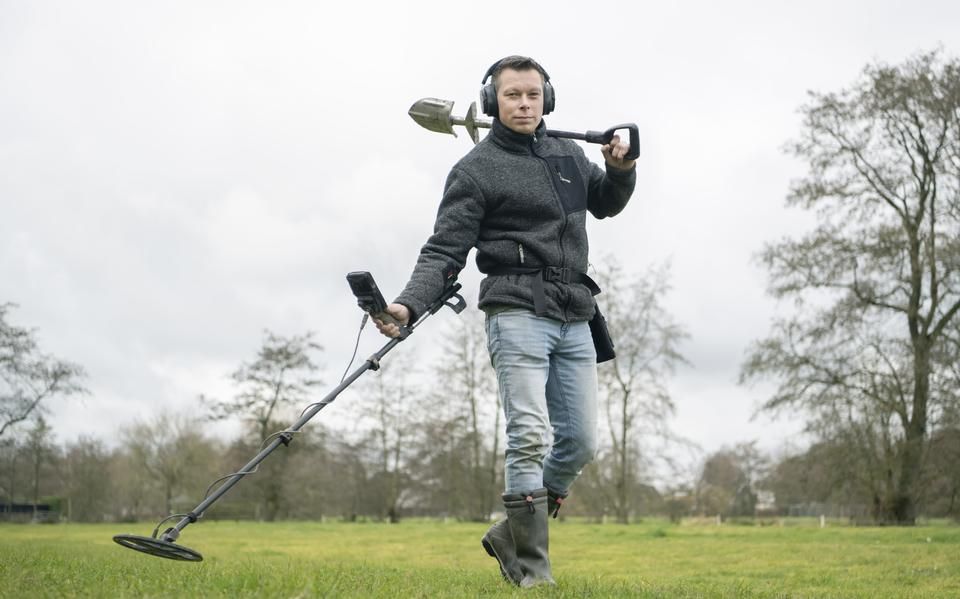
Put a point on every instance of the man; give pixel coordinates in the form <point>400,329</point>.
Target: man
<point>520,197</point>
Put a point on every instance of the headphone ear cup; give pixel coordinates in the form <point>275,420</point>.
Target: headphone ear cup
<point>488,101</point>
<point>549,98</point>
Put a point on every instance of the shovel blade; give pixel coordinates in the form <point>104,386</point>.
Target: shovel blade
<point>433,114</point>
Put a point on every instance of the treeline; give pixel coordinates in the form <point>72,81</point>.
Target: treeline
<point>168,470</point>
<point>429,443</point>
<point>832,478</point>
<point>424,438</point>
<point>165,466</point>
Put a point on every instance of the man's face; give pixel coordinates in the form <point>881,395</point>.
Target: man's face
<point>520,99</point>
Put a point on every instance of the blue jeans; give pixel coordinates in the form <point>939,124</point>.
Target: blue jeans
<point>547,375</point>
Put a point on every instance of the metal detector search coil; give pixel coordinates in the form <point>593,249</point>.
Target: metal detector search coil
<point>158,548</point>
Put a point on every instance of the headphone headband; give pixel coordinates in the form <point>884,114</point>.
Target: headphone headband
<point>536,66</point>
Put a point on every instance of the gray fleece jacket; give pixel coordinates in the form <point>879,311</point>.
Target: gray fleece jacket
<point>521,200</point>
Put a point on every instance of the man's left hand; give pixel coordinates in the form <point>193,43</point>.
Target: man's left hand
<point>614,152</point>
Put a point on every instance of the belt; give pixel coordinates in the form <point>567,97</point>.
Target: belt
<point>551,274</point>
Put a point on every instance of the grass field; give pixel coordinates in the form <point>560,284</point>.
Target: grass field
<point>435,559</point>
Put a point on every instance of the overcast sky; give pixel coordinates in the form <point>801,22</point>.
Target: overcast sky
<point>176,177</point>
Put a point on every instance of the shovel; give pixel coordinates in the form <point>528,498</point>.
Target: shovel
<point>436,115</point>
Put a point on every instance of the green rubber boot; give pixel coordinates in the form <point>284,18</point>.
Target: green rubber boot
<point>527,519</point>
<point>498,542</point>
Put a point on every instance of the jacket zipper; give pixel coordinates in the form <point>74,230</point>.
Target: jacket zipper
<point>563,216</point>
<point>520,245</point>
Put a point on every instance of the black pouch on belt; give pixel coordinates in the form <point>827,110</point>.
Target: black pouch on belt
<point>601,336</point>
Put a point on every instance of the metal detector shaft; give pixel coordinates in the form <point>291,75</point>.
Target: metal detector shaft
<point>284,437</point>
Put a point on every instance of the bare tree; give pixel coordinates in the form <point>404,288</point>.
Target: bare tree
<point>941,476</point>
<point>280,377</point>
<point>470,382</point>
<point>387,408</point>
<point>27,376</point>
<point>633,388</point>
<point>172,450</point>
<point>41,451</point>
<point>728,480</point>
<point>89,487</point>
<point>10,449</point>
<point>321,474</point>
<point>877,282</point>
<point>462,424</point>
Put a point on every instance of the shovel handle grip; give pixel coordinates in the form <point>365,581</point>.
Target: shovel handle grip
<point>604,137</point>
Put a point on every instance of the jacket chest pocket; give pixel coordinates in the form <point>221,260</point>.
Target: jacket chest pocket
<point>568,183</point>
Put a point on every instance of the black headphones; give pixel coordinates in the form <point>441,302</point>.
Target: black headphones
<point>488,93</point>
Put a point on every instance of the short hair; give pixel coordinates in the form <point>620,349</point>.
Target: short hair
<point>518,63</point>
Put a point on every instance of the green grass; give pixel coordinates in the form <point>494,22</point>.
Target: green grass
<point>434,559</point>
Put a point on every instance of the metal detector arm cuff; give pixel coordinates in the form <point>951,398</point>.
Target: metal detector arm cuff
<point>450,298</point>
<point>458,305</point>
<point>449,293</point>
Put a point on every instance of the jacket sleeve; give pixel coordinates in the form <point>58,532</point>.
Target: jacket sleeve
<point>444,254</point>
<point>608,192</point>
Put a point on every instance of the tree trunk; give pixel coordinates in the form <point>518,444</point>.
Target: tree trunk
<point>36,482</point>
<point>900,507</point>
<point>623,508</point>
<point>13,481</point>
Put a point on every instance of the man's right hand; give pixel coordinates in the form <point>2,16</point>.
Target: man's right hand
<point>400,313</point>
<point>614,153</point>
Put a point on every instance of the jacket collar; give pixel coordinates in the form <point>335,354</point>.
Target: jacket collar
<point>521,143</point>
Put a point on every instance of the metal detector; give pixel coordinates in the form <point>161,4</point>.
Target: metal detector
<point>436,115</point>
<point>368,297</point>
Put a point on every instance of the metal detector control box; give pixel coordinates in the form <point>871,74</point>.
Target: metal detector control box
<point>368,295</point>
<point>366,291</point>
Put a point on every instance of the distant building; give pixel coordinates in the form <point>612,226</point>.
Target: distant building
<point>28,512</point>
<point>766,503</point>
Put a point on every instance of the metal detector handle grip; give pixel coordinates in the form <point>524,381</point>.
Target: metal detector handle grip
<point>385,317</point>
<point>604,137</point>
